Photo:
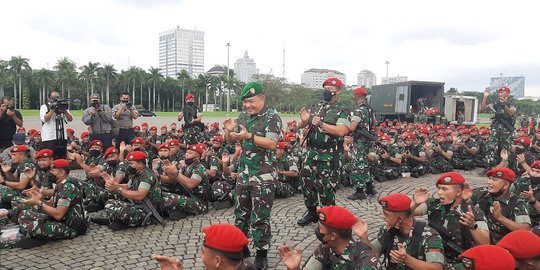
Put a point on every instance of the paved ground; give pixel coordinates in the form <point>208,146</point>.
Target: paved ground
<point>131,249</point>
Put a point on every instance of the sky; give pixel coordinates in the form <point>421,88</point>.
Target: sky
<point>461,43</point>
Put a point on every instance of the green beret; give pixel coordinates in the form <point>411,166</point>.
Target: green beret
<point>251,89</point>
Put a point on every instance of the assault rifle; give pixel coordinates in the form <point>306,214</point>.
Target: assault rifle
<point>498,118</point>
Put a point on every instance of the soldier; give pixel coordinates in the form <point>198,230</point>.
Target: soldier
<point>413,156</point>
<point>221,189</point>
<point>361,120</point>
<point>258,129</point>
<point>212,131</point>
<point>188,184</point>
<point>192,117</point>
<point>524,247</point>
<point>480,160</point>
<point>405,243</point>
<point>460,224</point>
<point>62,217</point>
<point>85,144</point>
<point>137,131</point>
<point>176,154</point>
<point>439,153</point>
<point>328,124</point>
<point>71,137</point>
<point>337,250</point>
<point>505,212</point>
<point>487,257</point>
<point>36,142</point>
<point>144,131</point>
<point>124,113</point>
<point>95,151</point>
<point>502,126</point>
<point>528,188</point>
<point>138,196</point>
<point>388,160</point>
<point>286,171</point>
<point>465,150</point>
<point>164,135</point>
<point>13,180</point>
<point>535,144</point>
<point>460,118</point>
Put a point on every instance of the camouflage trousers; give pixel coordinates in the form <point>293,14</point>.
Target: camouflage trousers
<point>498,140</point>
<point>440,165</point>
<point>360,173</point>
<point>171,202</point>
<point>453,265</point>
<point>419,169</point>
<point>319,181</point>
<point>388,172</point>
<point>97,194</point>
<point>521,184</point>
<point>464,163</point>
<point>221,190</point>
<point>7,194</point>
<point>284,189</point>
<point>252,208</point>
<point>40,225</point>
<point>125,212</point>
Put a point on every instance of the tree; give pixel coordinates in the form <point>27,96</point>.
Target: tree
<point>4,75</point>
<point>154,77</point>
<point>67,74</point>
<point>109,74</point>
<point>17,65</point>
<point>452,91</point>
<point>184,78</point>
<point>45,79</point>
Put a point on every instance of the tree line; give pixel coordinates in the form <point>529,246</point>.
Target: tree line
<point>524,106</point>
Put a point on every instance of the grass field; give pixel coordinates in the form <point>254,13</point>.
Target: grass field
<point>78,113</point>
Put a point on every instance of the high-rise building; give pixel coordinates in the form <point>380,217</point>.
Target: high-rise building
<point>245,68</point>
<point>314,78</point>
<point>396,79</point>
<point>181,49</point>
<point>516,85</point>
<point>366,78</point>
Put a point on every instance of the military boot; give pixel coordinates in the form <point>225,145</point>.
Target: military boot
<point>310,217</point>
<point>370,188</point>
<point>358,195</point>
<point>261,260</point>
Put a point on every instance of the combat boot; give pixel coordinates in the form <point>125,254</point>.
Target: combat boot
<point>101,220</point>
<point>31,242</point>
<point>370,189</point>
<point>310,217</point>
<point>178,215</point>
<point>117,226</point>
<point>261,260</point>
<point>358,195</point>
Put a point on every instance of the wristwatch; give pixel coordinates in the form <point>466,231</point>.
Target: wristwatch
<point>41,204</point>
<point>473,227</point>
<point>533,202</point>
<point>119,190</point>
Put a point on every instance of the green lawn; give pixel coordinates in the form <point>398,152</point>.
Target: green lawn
<point>78,113</point>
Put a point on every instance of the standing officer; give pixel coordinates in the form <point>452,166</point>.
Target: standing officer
<point>502,126</point>
<point>192,121</point>
<point>258,129</point>
<point>329,123</point>
<point>10,118</point>
<point>53,118</point>
<point>99,117</point>
<point>125,113</point>
<point>362,119</point>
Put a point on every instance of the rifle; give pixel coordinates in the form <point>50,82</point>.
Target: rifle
<point>311,126</point>
<point>152,212</point>
<point>447,239</point>
<point>372,138</point>
<point>499,118</point>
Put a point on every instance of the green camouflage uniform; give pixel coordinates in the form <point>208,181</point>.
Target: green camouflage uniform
<point>285,186</point>
<point>94,190</point>
<point>448,220</point>
<point>479,158</point>
<point>357,256</point>
<point>500,137</point>
<point>437,162</point>
<point>193,133</point>
<point>221,189</point>
<point>360,174</point>
<point>430,249</point>
<point>319,174</point>
<point>385,167</point>
<point>463,160</point>
<point>133,213</point>
<point>193,201</point>
<point>410,165</point>
<point>255,184</point>
<point>518,213</point>
<point>7,194</point>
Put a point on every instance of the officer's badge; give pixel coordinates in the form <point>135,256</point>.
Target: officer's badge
<point>522,140</point>
<point>15,149</point>
<point>252,90</point>
<point>130,157</point>
<point>45,154</point>
<point>384,204</point>
<point>204,236</point>
<point>468,263</point>
<point>499,174</point>
<point>334,82</point>
<point>448,179</point>
<point>322,217</point>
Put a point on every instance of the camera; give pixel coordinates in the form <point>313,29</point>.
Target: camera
<point>10,107</point>
<point>59,105</point>
<point>128,104</point>
<point>520,150</point>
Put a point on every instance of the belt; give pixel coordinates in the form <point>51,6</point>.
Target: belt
<point>126,127</point>
<point>102,132</point>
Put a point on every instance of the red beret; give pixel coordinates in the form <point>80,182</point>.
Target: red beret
<point>505,89</point>
<point>460,127</point>
<point>37,132</point>
<point>96,142</point>
<point>465,131</point>
<point>292,123</point>
<point>384,137</point>
<point>281,145</point>
<point>153,128</point>
<point>199,148</point>
<point>537,131</point>
<point>173,124</point>
<point>225,237</point>
<point>424,130</point>
<point>144,124</point>
<point>19,148</point>
<point>336,217</point>
<point>163,145</point>
<point>409,135</point>
<point>215,124</point>
<point>525,141</point>
<point>333,82</point>
<point>397,202</point>
<point>110,150</point>
<point>473,128</point>
<point>442,134</point>
<point>60,163</point>
<point>450,178</point>
<point>136,155</point>
<point>189,96</point>
<point>360,91</point>
<point>43,153</point>
<point>218,139</point>
<point>164,127</point>
<point>138,140</point>
<point>485,131</point>
<point>174,142</point>
<point>536,164</point>
<point>137,128</point>
<point>487,257</point>
<point>451,126</point>
<point>30,131</point>
<point>21,129</point>
<point>84,134</point>
<point>522,244</point>
<point>503,173</point>
<point>289,137</point>
<point>70,130</point>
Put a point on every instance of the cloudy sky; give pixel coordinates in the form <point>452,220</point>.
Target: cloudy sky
<point>462,43</point>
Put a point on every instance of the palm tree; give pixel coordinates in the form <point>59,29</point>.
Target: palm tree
<point>154,78</point>
<point>4,75</point>
<point>45,78</point>
<point>184,78</point>
<point>142,76</point>
<point>89,73</point>
<point>108,72</point>
<point>132,75</point>
<point>67,74</point>
<point>17,65</point>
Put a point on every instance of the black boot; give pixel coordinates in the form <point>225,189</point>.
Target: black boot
<point>117,226</point>
<point>178,215</point>
<point>261,261</point>
<point>94,207</point>
<point>31,242</point>
<point>358,195</point>
<point>218,205</point>
<point>310,217</point>
<point>101,220</point>
<point>370,188</point>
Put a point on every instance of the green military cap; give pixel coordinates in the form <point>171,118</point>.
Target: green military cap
<point>94,97</point>
<point>251,89</point>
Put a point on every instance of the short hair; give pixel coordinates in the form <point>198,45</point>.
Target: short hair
<point>234,257</point>
<point>9,98</point>
<point>343,234</point>
<point>124,93</point>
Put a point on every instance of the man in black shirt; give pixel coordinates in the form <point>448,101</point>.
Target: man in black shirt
<point>9,120</point>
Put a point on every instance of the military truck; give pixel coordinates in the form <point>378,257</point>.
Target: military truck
<point>467,106</point>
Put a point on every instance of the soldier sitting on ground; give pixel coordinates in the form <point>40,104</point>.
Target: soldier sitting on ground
<point>413,156</point>
<point>387,160</point>
<point>439,153</point>
<point>524,247</point>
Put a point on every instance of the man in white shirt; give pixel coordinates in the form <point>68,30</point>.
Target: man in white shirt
<point>53,120</point>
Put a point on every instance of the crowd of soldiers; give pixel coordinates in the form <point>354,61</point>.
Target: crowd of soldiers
<point>182,171</point>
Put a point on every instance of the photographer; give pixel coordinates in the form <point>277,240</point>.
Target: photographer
<point>9,120</point>
<point>124,113</point>
<point>54,114</point>
<point>99,117</point>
